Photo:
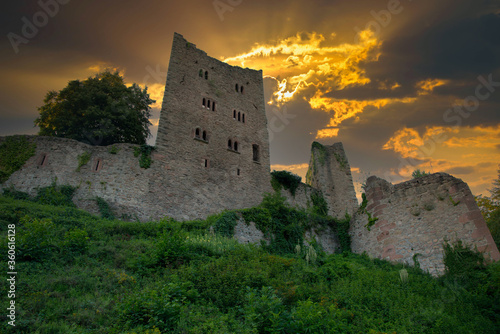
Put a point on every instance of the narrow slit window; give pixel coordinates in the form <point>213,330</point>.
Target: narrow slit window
<point>241,89</point>
<point>238,172</point>
<point>201,73</point>
<point>204,136</point>
<point>197,133</point>
<point>205,163</point>
<point>230,144</point>
<point>98,165</point>
<point>236,88</point>
<point>43,159</point>
<point>208,104</point>
<point>256,153</point>
<point>243,118</point>
<point>204,103</point>
<point>213,106</point>
<point>206,75</point>
<point>239,116</point>
<point>236,146</point>
<point>234,114</point>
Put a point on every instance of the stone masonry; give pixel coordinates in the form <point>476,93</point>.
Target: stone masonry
<point>416,217</point>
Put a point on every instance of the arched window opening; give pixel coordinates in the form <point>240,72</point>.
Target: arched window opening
<point>243,118</point>
<point>230,144</point>
<point>204,136</point>
<point>241,89</point>
<point>234,114</point>
<point>208,104</point>
<point>204,103</point>
<point>256,153</point>
<point>213,106</point>
<point>239,116</point>
<point>236,88</point>
<point>206,75</point>
<point>236,146</point>
<point>201,73</point>
<point>197,133</point>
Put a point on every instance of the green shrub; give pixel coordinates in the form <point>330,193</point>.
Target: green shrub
<point>286,179</point>
<point>320,207</point>
<point>14,152</point>
<point>226,223</point>
<point>56,195</point>
<point>418,173</point>
<point>36,239</point>
<point>83,159</point>
<point>104,209</point>
<point>76,241</point>
<point>144,151</point>
<point>16,194</point>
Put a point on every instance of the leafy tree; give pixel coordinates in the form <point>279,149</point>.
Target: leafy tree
<point>417,173</point>
<point>101,110</point>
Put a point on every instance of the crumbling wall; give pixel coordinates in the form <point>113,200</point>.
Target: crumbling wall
<point>329,172</point>
<point>411,221</point>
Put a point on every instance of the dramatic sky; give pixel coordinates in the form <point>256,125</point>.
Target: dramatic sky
<point>403,84</point>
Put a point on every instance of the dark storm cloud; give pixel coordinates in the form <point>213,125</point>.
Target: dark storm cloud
<point>455,48</point>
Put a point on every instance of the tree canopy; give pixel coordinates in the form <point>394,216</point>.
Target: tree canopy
<point>100,110</point>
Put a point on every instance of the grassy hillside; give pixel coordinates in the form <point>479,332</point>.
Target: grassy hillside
<point>77,273</point>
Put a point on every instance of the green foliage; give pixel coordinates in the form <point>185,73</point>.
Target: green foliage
<point>462,260</point>
<point>321,150</point>
<point>453,202</point>
<point>100,110</point>
<point>56,195</point>
<point>83,159</point>
<point>341,229</point>
<point>113,150</point>
<point>144,151</point>
<point>320,207</point>
<point>490,208</point>
<point>362,209</point>
<point>371,221</point>
<point>225,224</point>
<point>418,173</point>
<point>87,274</point>
<point>14,152</point>
<point>16,194</point>
<point>104,209</point>
<point>286,179</point>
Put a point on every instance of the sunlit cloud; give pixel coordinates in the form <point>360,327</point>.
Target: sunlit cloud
<point>427,86</point>
<point>327,133</point>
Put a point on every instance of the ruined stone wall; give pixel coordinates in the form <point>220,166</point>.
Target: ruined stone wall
<point>329,172</point>
<point>416,217</point>
<point>132,192</point>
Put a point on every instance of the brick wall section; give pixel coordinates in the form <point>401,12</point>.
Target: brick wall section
<point>331,174</point>
<point>415,217</point>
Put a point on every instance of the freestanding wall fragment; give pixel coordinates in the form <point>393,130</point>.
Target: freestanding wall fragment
<point>411,221</point>
<point>329,172</point>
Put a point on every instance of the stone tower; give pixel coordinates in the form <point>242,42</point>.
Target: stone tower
<point>212,133</point>
<point>329,171</point>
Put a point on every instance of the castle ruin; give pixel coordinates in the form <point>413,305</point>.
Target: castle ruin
<point>212,154</point>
